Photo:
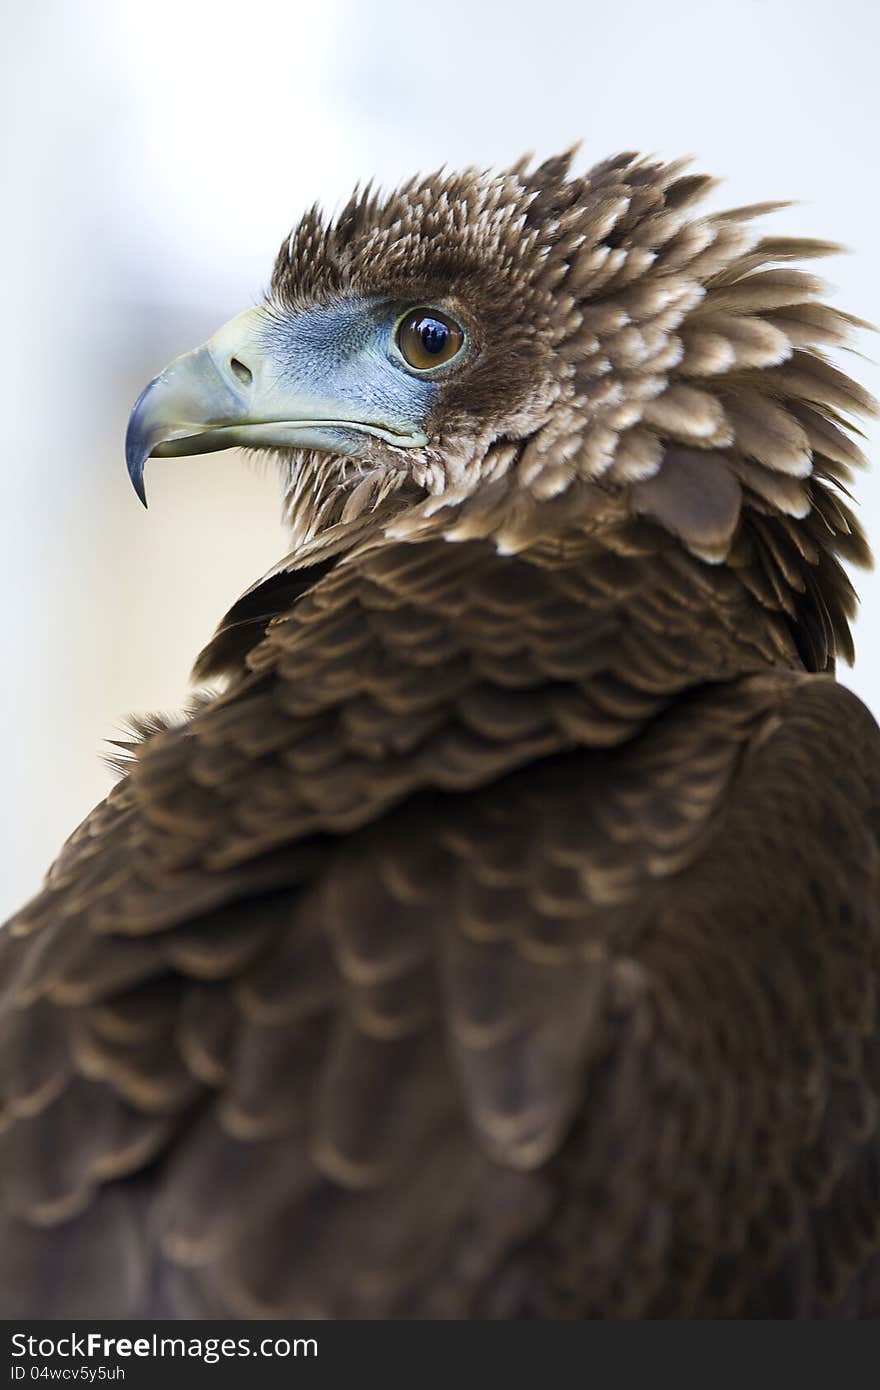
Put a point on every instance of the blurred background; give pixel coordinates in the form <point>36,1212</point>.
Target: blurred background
<point>154,156</point>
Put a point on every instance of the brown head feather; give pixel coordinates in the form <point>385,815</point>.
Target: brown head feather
<point>630,358</point>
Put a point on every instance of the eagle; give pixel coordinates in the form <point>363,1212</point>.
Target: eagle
<point>495,936</point>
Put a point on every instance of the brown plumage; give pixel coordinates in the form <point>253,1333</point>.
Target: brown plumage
<point>502,940</point>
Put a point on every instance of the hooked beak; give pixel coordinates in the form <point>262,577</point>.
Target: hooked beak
<point>237,390</point>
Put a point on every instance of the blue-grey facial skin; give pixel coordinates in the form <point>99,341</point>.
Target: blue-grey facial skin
<point>327,377</point>
<point>346,351</point>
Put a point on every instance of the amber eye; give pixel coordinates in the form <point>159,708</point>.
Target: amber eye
<point>426,338</point>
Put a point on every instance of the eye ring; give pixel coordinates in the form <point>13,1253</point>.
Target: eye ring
<point>428,339</point>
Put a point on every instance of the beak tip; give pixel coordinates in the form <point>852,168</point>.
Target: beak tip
<point>136,453</point>
<point>137,447</point>
<point>135,463</point>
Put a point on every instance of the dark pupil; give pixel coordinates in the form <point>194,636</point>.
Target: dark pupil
<point>433,335</point>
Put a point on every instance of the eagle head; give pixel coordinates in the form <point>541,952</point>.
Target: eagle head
<point>514,354</point>
<point>403,343</point>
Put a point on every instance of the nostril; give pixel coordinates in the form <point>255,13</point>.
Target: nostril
<point>244,374</point>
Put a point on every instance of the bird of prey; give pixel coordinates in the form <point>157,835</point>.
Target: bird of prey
<point>496,936</point>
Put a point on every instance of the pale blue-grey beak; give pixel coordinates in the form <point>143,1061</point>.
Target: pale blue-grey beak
<point>237,390</point>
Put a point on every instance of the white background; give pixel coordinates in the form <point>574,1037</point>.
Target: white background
<point>153,157</point>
